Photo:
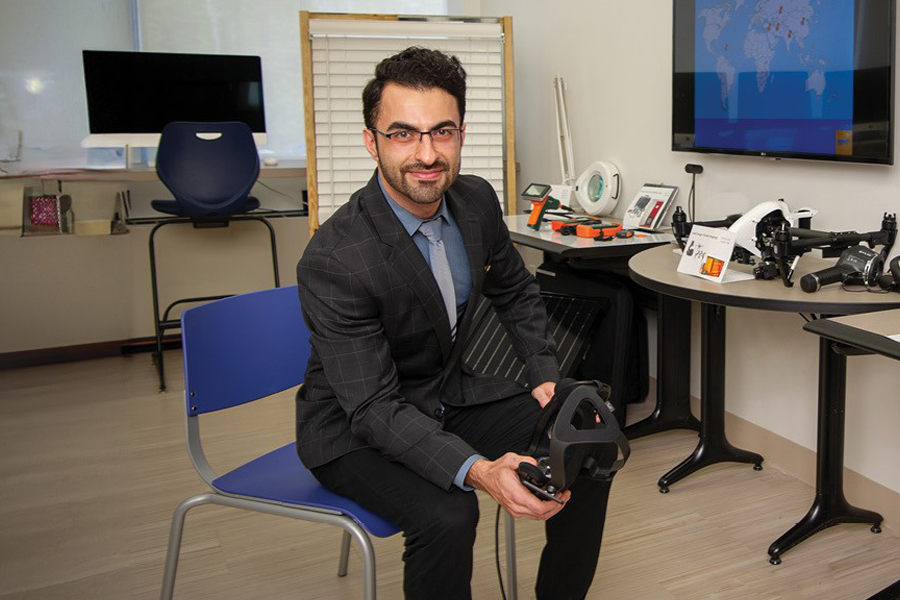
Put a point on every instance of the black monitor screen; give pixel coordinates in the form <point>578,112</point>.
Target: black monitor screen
<point>140,92</point>
<point>785,78</point>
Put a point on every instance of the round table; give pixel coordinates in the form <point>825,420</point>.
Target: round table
<point>656,269</point>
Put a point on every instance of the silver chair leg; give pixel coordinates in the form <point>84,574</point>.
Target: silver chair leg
<point>511,578</point>
<point>174,549</point>
<point>345,554</point>
<point>368,554</point>
<point>350,527</point>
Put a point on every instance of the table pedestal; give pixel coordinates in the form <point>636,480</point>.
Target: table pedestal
<point>713,446</point>
<point>673,383</point>
<point>829,507</point>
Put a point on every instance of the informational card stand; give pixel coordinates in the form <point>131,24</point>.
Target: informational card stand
<point>707,253</point>
<point>649,207</point>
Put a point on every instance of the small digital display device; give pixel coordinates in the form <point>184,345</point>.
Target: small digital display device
<point>539,196</point>
<point>536,190</point>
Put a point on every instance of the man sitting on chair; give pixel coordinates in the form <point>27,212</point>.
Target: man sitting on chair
<point>388,285</point>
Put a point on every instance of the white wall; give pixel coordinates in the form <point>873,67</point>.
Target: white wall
<point>67,290</point>
<point>41,75</point>
<point>616,59</point>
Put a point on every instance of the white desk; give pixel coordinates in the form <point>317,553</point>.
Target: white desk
<point>573,247</point>
<point>673,401</point>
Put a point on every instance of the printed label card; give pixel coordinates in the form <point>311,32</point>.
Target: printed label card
<point>707,253</point>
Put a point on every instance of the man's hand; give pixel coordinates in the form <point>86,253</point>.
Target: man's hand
<point>544,392</point>
<point>499,479</point>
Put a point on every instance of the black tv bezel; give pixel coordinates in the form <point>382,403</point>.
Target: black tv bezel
<point>104,89</point>
<point>683,90</point>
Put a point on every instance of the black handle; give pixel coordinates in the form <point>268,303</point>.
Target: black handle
<point>812,282</point>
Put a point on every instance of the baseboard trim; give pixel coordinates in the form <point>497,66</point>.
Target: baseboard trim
<point>49,356</point>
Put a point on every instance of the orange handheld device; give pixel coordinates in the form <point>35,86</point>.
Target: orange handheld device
<point>595,231</point>
<point>539,196</point>
<point>567,226</point>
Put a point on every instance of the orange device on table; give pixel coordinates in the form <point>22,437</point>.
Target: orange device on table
<point>567,226</point>
<point>604,230</point>
<point>539,196</point>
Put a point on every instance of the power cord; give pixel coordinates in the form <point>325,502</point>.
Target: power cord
<point>279,192</point>
<point>497,552</point>
<point>694,170</point>
<point>861,287</point>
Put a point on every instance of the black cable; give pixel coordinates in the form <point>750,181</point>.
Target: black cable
<point>497,552</point>
<point>692,197</point>
<point>861,287</point>
<point>279,192</point>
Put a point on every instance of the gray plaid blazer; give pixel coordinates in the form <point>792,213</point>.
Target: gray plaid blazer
<point>382,360</point>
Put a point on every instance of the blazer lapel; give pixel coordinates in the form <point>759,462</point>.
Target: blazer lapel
<point>470,229</point>
<point>408,261</point>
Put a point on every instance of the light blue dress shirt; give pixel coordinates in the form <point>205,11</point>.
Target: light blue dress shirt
<point>459,268</point>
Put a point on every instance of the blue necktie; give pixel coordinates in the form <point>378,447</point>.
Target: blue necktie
<point>440,268</point>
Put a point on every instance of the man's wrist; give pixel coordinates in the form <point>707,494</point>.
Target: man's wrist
<point>474,477</point>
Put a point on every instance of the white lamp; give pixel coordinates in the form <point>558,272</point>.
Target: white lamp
<point>597,189</point>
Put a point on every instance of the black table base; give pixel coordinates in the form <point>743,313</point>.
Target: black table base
<point>713,446</point>
<point>673,389</point>
<point>829,507</point>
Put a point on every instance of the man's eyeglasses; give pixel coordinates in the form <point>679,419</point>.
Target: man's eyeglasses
<point>407,137</point>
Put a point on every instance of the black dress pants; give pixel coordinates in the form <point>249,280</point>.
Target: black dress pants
<point>439,526</point>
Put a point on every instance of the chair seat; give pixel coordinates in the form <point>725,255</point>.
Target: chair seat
<point>280,476</point>
<point>172,207</point>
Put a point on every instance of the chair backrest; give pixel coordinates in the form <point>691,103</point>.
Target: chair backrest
<point>209,167</point>
<point>243,348</point>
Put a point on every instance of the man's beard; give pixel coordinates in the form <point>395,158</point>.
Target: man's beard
<point>421,192</point>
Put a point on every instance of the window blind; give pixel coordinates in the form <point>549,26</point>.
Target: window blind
<point>343,58</point>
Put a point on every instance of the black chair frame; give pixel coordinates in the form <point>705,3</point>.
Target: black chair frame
<point>167,323</point>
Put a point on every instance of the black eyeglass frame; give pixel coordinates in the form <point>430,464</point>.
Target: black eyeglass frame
<point>430,132</point>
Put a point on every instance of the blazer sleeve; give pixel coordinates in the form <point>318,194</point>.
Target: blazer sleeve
<point>346,331</point>
<point>516,298</point>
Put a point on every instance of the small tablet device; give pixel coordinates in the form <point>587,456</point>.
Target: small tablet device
<point>536,190</point>
<point>539,196</point>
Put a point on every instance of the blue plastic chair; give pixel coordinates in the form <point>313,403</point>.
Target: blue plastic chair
<point>210,169</point>
<point>244,348</point>
<point>237,350</point>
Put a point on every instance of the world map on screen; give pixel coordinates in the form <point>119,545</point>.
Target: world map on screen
<point>774,61</point>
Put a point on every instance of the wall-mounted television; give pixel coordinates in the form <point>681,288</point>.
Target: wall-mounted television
<point>785,78</point>
<point>131,96</point>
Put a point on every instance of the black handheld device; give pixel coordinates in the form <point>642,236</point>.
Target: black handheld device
<point>537,479</point>
<point>856,265</point>
<point>576,436</point>
<point>890,281</point>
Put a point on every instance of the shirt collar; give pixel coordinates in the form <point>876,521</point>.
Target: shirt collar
<point>410,221</point>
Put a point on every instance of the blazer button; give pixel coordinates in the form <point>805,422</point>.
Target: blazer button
<point>439,412</point>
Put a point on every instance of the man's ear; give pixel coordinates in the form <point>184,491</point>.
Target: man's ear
<point>462,135</point>
<point>371,144</point>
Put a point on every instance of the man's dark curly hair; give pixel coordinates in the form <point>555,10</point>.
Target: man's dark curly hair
<point>420,69</point>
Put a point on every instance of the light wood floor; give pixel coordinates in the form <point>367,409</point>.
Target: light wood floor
<point>92,463</point>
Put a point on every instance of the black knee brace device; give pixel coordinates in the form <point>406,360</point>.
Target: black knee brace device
<point>569,442</point>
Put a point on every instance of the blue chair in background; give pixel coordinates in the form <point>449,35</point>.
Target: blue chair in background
<point>210,169</point>
<point>244,348</point>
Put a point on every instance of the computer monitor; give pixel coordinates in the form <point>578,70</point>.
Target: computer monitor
<point>131,96</point>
